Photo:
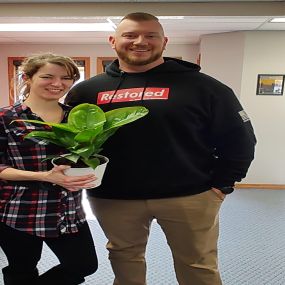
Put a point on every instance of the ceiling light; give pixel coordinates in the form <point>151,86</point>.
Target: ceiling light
<point>112,23</point>
<point>277,20</point>
<point>56,27</point>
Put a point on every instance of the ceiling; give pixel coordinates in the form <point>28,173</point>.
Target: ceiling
<point>180,31</point>
<point>114,1</point>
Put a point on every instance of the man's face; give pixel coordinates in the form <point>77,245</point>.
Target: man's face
<point>139,43</point>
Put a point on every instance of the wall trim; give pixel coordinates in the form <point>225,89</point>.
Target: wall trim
<point>261,186</point>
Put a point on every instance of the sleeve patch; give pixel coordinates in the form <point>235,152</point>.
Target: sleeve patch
<point>244,116</point>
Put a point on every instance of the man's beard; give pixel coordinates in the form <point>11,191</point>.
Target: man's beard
<point>137,61</point>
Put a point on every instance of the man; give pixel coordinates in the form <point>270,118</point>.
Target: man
<point>175,165</point>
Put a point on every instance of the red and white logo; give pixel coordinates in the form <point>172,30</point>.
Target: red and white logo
<point>133,94</point>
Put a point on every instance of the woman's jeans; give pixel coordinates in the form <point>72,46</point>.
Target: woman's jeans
<point>75,252</point>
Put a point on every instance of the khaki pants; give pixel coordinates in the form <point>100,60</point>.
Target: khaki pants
<point>191,227</point>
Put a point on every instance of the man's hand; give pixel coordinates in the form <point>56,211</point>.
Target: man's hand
<point>219,193</point>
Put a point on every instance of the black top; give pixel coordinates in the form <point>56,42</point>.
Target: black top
<point>195,136</point>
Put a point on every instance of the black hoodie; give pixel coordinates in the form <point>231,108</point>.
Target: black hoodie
<point>196,135</point>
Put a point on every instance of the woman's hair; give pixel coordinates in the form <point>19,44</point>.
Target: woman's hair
<point>33,63</point>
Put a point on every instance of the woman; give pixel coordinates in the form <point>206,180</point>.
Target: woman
<point>38,203</point>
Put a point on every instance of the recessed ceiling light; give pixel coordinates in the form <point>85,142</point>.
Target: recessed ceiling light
<point>277,20</point>
<point>56,27</point>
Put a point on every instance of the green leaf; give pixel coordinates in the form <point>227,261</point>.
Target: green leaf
<point>62,126</point>
<point>65,137</point>
<point>93,162</point>
<point>88,135</point>
<point>121,116</point>
<point>86,116</point>
<point>72,157</point>
<point>85,151</point>
<point>46,135</point>
<point>41,134</point>
<point>87,130</point>
<point>101,138</point>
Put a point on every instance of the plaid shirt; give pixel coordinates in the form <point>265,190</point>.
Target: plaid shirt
<point>38,208</point>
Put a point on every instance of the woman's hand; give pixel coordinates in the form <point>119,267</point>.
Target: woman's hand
<point>71,183</point>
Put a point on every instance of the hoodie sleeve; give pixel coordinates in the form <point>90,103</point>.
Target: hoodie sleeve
<point>85,91</point>
<point>233,138</point>
<point>73,97</point>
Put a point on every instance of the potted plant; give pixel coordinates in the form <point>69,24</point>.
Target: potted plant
<point>86,130</point>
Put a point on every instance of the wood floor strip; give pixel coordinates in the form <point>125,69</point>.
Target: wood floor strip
<point>260,186</point>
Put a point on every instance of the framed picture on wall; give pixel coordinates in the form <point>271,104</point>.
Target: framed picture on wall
<point>270,84</point>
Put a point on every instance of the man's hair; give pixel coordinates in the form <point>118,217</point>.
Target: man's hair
<point>140,17</point>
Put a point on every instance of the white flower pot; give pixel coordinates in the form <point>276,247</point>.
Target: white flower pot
<point>98,171</point>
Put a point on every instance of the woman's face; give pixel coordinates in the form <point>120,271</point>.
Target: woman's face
<point>50,82</point>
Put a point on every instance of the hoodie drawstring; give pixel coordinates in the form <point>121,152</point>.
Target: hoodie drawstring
<point>122,78</point>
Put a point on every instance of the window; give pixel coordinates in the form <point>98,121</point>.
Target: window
<point>102,62</point>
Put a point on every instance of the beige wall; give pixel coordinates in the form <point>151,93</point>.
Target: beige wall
<point>236,59</point>
<point>222,58</point>
<point>264,54</point>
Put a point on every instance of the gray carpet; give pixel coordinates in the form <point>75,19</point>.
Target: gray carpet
<point>251,244</point>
